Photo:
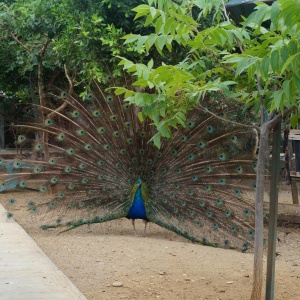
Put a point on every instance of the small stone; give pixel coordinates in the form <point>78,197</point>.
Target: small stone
<point>161,273</point>
<point>229,282</point>
<point>117,284</point>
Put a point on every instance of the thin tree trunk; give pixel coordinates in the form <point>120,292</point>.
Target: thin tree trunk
<point>43,97</point>
<point>259,200</point>
<point>259,225</point>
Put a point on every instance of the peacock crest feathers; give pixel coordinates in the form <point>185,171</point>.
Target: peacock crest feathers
<point>199,184</point>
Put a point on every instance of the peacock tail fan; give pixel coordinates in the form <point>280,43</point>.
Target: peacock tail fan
<point>199,184</point>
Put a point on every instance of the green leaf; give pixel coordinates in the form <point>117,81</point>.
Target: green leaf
<point>150,41</point>
<point>141,10</point>
<point>277,95</point>
<point>130,38</point>
<point>160,43</point>
<point>289,61</point>
<point>294,121</point>
<point>150,64</point>
<point>275,60</point>
<point>244,64</point>
<point>156,140</point>
<point>141,41</point>
<point>287,89</point>
<point>141,116</point>
<point>265,66</point>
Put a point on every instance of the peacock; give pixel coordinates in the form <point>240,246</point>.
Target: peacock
<point>103,166</point>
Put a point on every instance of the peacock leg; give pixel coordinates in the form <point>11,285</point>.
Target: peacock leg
<point>133,224</point>
<point>145,222</point>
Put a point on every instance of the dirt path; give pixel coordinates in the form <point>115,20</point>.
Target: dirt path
<point>161,265</point>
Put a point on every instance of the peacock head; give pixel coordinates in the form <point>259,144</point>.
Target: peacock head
<point>139,181</point>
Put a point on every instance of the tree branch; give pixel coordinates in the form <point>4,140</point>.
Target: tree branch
<point>65,103</point>
<point>19,42</point>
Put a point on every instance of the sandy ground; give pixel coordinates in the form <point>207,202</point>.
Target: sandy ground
<point>161,265</point>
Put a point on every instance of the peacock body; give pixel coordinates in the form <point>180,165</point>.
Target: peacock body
<point>199,184</point>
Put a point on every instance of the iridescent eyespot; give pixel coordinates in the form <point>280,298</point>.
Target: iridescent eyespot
<point>21,138</point>
<point>191,157</point>
<point>191,124</point>
<point>67,169</point>
<point>208,169</point>
<point>126,106</point>
<point>75,114</point>
<point>222,181</point>
<point>61,137</point>
<point>202,203</point>
<point>22,184</point>
<point>247,213</point>
<point>38,147</point>
<point>129,141</point>
<point>89,97</point>
<point>70,151</point>
<point>228,213</point>
<point>43,189</point>
<point>100,163</point>
<point>237,192</point>
<point>36,169</point>
<point>17,164</point>
<point>52,161</point>
<point>233,138</point>
<point>109,99</point>
<point>233,229</point>
<point>215,225</point>
<point>80,132</point>
<point>88,147</point>
<point>239,170</point>
<point>53,180</point>
<point>210,129</point>
<point>219,202</point>
<point>101,130</point>
<point>96,113</point>
<point>195,177</point>
<point>222,156</point>
<point>201,144</point>
<point>113,118</point>
<point>207,187</point>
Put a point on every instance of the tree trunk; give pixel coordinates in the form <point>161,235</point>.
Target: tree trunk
<point>43,98</point>
<point>259,219</point>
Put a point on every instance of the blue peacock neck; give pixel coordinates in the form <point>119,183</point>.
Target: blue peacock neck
<point>137,209</point>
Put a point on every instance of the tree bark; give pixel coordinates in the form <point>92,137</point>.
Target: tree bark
<point>259,200</point>
<point>42,96</point>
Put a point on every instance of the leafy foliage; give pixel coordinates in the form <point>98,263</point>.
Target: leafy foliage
<point>83,35</point>
<point>247,63</point>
